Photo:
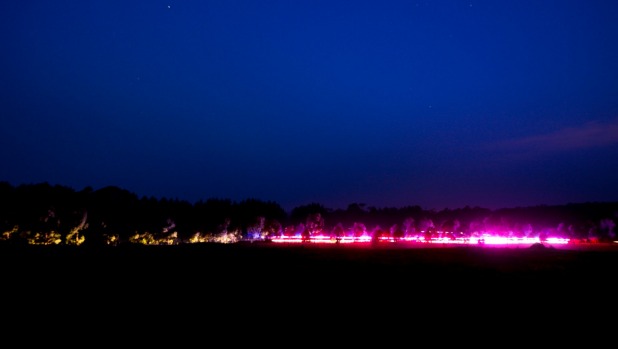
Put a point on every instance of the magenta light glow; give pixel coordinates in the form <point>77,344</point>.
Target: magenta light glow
<point>485,239</point>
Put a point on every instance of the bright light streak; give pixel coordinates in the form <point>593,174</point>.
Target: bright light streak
<point>485,239</point>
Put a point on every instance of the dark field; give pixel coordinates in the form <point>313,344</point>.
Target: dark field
<point>315,265</point>
<point>270,286</point>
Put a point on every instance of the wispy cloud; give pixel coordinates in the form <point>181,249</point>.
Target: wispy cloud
<point>589,135</point>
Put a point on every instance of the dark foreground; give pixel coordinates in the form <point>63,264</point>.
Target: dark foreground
<point>319,267</point>
<point>302,290</point>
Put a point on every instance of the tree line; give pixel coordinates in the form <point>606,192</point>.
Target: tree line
<point>55,214</point>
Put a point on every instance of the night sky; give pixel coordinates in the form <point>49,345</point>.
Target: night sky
<point>441,104</point>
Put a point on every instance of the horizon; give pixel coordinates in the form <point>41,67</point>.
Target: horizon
<point>288,210</point>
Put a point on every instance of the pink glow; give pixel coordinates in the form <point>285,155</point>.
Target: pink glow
<point>485,239</point>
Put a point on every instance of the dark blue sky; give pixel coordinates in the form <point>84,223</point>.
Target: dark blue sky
<point>440,104</point>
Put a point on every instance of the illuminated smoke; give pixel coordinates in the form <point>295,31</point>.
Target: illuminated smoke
<point>256,231</point>
<point>170,225</point>
<point>607,227</point>
<point>315,224</point>
<point>456,225</point>
<point>408,226</point>
<point>359,229</point>
<point>74,237</point>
